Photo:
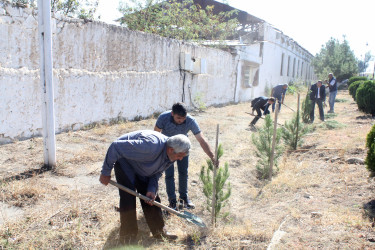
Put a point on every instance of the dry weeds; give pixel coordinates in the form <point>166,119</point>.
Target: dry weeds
<point>323,201</point>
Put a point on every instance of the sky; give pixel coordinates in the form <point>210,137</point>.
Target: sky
<point>311,23</point>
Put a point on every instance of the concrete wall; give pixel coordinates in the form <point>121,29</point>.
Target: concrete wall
<point>101,72</point>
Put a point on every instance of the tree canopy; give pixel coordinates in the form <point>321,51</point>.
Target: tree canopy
<point>337,58</point>
<point>84,9</point>
<point>182,20</point>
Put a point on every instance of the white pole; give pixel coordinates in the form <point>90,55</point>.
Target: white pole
<point>46,80</point>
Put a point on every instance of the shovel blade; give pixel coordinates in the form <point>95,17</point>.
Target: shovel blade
<point>193,219</point>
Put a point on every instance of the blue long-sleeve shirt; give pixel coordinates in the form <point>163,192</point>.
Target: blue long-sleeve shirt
<point>146,153</point>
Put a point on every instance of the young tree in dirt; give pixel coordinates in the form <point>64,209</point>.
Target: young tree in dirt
<point>182,20</point>
<point>370,158</point>
<point>306,108</point>
<point>336,58</point>
<point>294,131</point>
<point>74,8</point>
<point>222,176</point>
<point>263,143</point>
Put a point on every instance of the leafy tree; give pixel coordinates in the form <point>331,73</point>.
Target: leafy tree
<point>362,65</point>
<point>75,8</point>
<point>336,58</point>
<point>222,176</point>
<point>182,20</point>
<point>263,143</point>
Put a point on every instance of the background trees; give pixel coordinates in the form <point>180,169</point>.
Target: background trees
<point>336,58</point>
<point>74,8</point>
<point>182,20</point>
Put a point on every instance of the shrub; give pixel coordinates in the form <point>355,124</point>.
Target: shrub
<point>353,88</point>
<point>356,78</point>
<point>365,97</point>
<point>370,144</point>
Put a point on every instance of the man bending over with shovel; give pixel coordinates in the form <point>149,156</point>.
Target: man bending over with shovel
<point>139,158</point>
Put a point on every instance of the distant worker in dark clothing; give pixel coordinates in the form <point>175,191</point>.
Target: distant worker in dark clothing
<point>318,96</point>
<point>258,104</point>
<point>278,92</point>
<point>332,85</point>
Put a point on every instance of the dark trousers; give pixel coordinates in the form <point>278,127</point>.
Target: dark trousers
<point>320,106</point>
<point>259,115</point>
<point>256,118</point>
<point>128,214</point>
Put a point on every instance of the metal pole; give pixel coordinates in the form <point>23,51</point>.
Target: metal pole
<point>46,80</point>
<point>273,141</point>
<point>213,212</point>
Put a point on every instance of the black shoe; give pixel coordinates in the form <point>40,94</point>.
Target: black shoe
<point>173,204</point>
<point>186,203</point>
<point>165,235</point>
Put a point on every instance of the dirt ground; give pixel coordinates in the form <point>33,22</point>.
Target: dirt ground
<point>320,198</point>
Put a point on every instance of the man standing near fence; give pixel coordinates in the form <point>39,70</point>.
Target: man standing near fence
<point>332,85</point>
<point>170,123</point>
<point>278,92</point>
<point>318,96</point>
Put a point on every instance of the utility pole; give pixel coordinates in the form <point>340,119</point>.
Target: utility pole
<point>46,80</point>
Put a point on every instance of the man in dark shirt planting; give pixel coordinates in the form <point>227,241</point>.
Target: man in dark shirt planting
<point>278,92</point>
<point>139,158</point>
<point>173,122</point>
<point>258,104</point>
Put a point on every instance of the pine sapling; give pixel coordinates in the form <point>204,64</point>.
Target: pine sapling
<point>223,189</point>
<point>263,143</point>
<point>293,132</point>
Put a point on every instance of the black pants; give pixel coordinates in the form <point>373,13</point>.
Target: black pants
<point>128,214</point>
<point>259,115</point>
<point>320,106</point>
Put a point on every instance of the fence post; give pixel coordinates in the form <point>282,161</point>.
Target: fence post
<point>297,123</point>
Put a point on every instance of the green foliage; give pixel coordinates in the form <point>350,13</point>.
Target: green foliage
<point>362,65</point>
<point>295,87</point>
<point>332,124</point>
<point>198,100</point>
<point>341,100</point>
<point>181,20</point>
<point>365,97</point>
<point>306,108</point>
<point>353,88</point>
<point>370,144</point>
<point>263,143</point>
<point>222,195</point>
<point>75,8</point>
<point>267,90</point>
<point>356,78</point>
<point>294,131</point>
<point>337,58</point>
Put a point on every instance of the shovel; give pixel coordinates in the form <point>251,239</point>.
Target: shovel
<point>186,215</point>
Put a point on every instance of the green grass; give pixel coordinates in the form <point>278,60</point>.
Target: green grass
<point>332,124</point>
<point>330,115</point>
<point>341,100</point>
